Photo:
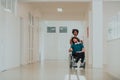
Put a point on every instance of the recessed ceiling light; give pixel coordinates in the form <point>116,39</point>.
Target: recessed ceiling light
<point>59,9</point>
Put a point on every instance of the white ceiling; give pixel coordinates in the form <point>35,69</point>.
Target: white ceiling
<point>61,0</point>
<point>53,0</point>
<point>71,10</point>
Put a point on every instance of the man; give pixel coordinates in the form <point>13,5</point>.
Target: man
<point>75,34</point>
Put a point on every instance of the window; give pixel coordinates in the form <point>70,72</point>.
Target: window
<point>3,3</point>
<point>114,27</point>
<point>13,5</point>
<point>9,5</point>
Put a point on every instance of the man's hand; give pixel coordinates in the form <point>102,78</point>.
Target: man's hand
<point>70,50</point>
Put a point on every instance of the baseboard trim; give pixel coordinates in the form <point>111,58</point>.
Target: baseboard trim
<point>113,77</point>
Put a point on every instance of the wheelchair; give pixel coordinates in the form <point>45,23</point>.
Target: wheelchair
<point>72,60</point>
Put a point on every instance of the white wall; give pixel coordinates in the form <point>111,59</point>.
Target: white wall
<point>112,51</point>
<point>97,34</point>
<point>14,38</point>
<point>30,34</point>
<point>2,39</point>
<point>9,40</point>
<point>90,30</point>
<point>54,46</point>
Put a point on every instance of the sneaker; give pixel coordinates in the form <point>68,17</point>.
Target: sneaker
<point>81,65</point>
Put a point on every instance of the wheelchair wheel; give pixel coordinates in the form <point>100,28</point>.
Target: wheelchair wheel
<point>70,65</point>
<point>84,65</point>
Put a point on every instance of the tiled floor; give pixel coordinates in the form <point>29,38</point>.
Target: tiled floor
<point>53,70</point>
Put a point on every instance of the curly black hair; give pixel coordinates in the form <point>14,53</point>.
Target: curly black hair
<point>75,30</point>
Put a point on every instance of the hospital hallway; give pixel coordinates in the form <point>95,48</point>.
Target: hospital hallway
<point>38,37</point>
<point>54,70</point>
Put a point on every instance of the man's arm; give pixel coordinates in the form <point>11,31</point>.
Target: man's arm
<point>83,50</point>
<point>70,50</point>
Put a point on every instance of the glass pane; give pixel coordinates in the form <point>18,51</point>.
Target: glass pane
<point>9,4</point>
<point>13,2</point>
<point>3,3</point>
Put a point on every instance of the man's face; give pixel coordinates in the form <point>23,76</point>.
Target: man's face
<point>75,33</point>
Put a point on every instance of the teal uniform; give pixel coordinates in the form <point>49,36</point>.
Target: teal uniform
<point>77,47</point>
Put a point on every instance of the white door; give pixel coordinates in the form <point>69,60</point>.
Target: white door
<point>51,46</point>
<point>56,46</point>
<point>63,43</point>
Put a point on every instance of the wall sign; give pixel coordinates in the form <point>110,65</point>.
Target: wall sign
<point>63,29</point>
<point>51,29</point>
